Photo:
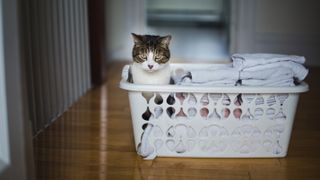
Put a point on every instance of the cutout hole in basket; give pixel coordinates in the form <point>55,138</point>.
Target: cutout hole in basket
<point>237,113</point>
<point>215,97</point>
<point>226,100</point>
<point>258,112</point>
<point>147,114</point>
<point>171,100</point>
<point>248,97</point>
<point>204,112</point>
<point>238,100</point>
<point>170,111</point>
<point>158,111</point>
<point>204,100</point>
<point>270,112</point>
<point>144,126</point>
<point>280,116</point>
<point>181,113</point>
<point>158,99</point>
<point>147,96</point>
<point>192,99</point>
<point>259,100</point>
<point>225,113</point>
<point>181,97</point>
<point>271,100</point>
<point>282,98</point>
<point>192,112</point>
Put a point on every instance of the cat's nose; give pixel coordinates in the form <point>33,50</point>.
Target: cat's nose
<point>150,66</point>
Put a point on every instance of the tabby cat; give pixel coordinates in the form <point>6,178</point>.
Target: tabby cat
<point>151,56</point>
<point>150,65</point>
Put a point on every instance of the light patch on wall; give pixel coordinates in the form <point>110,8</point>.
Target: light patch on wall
<point>287,16</point>
<point>4,143</point>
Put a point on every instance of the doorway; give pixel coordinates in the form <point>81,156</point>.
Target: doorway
<point>200,29</point>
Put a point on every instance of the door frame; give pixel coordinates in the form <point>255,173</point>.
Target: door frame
<point>17,158</point>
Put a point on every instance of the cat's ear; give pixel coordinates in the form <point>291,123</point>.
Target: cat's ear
<point>165,40</point>
<point>136,38</point>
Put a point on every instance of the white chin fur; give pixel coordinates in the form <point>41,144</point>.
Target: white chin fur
<point>156,66</point>
<point>157,75</point>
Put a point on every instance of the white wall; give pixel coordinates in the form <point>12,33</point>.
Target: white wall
<point>288,17</point>
<point>286,26</point>
<point>123,18</point>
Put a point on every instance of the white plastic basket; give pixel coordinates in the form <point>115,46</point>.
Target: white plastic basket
<point>263,129</point>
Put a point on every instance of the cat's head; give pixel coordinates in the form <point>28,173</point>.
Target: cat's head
<point>151,52</point>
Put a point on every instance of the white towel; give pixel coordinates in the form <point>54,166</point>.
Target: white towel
<point>298,70</point>
<point>146,149</point>
<point>269,73</point>
<point>204,75</point>
<point>253,69</point>
<point>241,61</point>
<point>225,82</point>
<point>277,82</point>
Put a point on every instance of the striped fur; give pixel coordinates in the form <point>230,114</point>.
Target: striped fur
<point>146,44</point>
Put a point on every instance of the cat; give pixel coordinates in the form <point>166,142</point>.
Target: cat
<point>151,55</point>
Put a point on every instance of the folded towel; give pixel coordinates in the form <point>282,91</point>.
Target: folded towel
<point>225,82</point>
<point>270,73</point>
<point>241,61</point>
<point>275,82</point>
<point>248,69</point>
<point>223,76</point>
<point>298,70</point>
<point>204,75</point>
<point>231,76</point>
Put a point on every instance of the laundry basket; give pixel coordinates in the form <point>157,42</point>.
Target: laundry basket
<point>207,121</point>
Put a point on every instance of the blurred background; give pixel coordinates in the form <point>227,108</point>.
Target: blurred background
<point>211,30</point>
<point>200,29</point>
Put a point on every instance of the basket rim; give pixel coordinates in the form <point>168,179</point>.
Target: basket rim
<point>124,84</point>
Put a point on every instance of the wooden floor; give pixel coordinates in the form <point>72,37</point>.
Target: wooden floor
<point>93,140</point>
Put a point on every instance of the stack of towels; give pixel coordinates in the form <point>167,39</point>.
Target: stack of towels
<point>269,69</point>
<point>251,70</point>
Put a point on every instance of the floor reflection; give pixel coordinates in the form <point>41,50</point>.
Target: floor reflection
<point>103,132</point>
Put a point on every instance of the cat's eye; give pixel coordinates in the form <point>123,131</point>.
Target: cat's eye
<point>157,59</point>
<point>143,57</point>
